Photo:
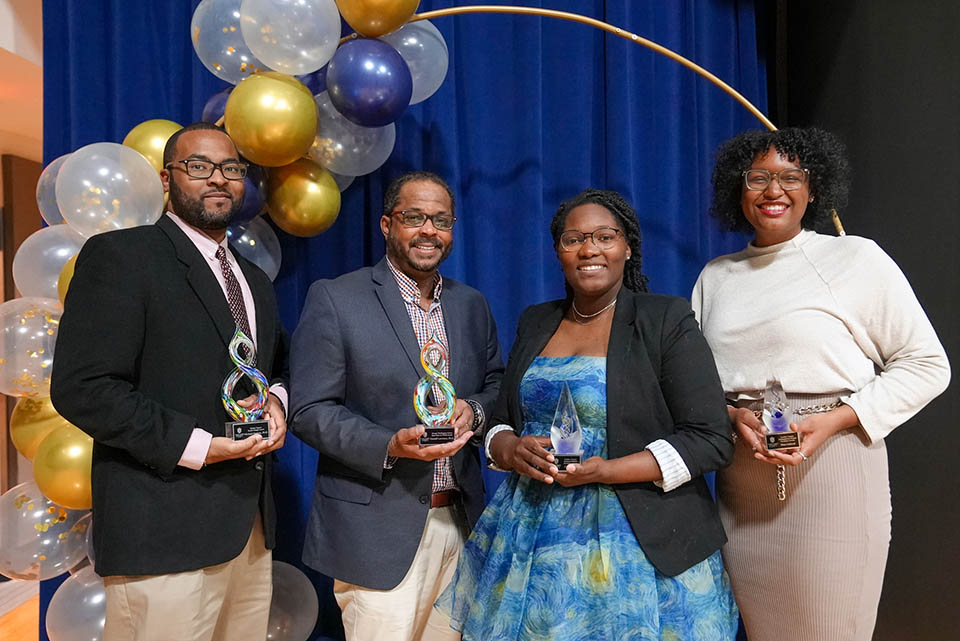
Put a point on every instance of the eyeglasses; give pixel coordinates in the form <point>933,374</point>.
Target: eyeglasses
<point>231,169</point>
<point>603,237</point>
<point>416,218</point>
<point>789,179</point>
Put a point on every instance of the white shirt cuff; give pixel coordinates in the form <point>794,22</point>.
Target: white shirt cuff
<point>493,431</point>
<point>674,470</point>
<point>281,393</point>
<point>195,453</point>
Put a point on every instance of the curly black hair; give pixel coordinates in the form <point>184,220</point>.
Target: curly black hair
<point>814,149</point>
<point>392,194</point>
<point>633,278</point>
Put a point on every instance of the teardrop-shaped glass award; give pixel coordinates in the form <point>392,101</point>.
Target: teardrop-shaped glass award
<point>565,433</point>
<point>777,418</point>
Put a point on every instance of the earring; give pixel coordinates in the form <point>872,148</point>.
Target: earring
<point>811,198</point>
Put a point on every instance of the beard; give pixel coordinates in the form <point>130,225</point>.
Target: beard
<point>193,210</point>
<point>403,254</point>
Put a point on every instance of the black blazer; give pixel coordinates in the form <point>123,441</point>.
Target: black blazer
<point>141,354</point>
<point>661,384</point>
<point>355,361</point>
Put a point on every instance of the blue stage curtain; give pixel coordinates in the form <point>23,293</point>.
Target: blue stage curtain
<point>532,111</point>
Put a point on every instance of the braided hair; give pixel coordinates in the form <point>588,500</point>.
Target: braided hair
<point>819,151</point>
<point>622,212</point>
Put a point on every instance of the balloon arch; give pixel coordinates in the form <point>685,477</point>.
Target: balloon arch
<point>310,111</point>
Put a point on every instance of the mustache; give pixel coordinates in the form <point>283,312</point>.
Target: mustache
<point>217,192</point>
<point>421,240</point>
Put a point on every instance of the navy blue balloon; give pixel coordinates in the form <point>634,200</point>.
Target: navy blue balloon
<point>216,104</point>
<point>369,82</point>
<point>254,195</point>
<point>316,82</point>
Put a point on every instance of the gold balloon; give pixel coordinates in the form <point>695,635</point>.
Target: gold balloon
<point>272,118</point>
<point>32,420</point>
<point>66,275</point>
<point>374,18</point>
<point>304,199</point>
<point>150,137</point>
<point>61,467</point>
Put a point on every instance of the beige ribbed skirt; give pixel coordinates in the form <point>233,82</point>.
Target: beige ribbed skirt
<point>809,568</point>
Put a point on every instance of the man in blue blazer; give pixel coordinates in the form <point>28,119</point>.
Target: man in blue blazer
<point>389,517</point>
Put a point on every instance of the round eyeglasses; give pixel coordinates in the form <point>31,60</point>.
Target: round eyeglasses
<point>603,237</point>
<point>203,169</point>
<point>417,218</point>
<point>789,179</point>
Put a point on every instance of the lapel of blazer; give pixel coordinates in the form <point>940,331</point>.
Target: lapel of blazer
<point>265,319</point>
<point>201,279</point>
<point>385,285</point>
<point>619,349</point>
<point>453,315</point>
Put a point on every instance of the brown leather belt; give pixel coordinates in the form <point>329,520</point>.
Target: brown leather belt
<point>444,498</point>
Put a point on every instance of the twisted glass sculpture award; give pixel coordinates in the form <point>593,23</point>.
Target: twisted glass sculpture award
<point>433,356</point>
<point>565,433</point>
<point>248,421</point>
<point>777,417</point>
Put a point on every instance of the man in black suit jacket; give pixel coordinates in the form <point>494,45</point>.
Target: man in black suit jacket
<point>184,517</point>
<point>389,517</point>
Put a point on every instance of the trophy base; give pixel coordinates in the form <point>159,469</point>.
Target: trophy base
<point>438,435</point>
<point>563,460</point>
<point>782,440</point>
<point>239,430</point>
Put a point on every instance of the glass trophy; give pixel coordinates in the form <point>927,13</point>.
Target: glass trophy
<point>247,421</point>
<point>433,356</point>
<point>777,417</point>
<point>565,433</point>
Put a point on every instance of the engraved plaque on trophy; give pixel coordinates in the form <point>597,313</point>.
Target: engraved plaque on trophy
<point>777,417</point>
<point>248,421</point>
<point>433,356</point>
<point>565,433</point>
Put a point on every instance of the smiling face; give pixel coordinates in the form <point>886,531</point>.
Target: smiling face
<point>206,203</point>
<point>775,214</point>
<point>593,273</point>
<point>417,251</point>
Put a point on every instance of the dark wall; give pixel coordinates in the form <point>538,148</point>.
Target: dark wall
<point>885,76</point>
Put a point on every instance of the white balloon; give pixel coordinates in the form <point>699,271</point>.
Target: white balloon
<point>47,192</point>
<point>294,605</point>
<point>342,181</point>
<point>106,186</point>
<point>218,41</point>
<point>345,148</point>
<point>28,334</point>
<point>257,242</point>
<point>293,36</point>
<point>41,257</point>
<point>78,608</point>
<point>425,52</point>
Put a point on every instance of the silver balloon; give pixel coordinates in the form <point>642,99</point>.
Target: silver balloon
<point>218,41</point>
<point>106,186</point>
<point>47,192</point>
<point>342,181</point>
<point>293,36</point>
<point>89,542</point>
<point>425,51</point>
<point>257,242</point>
<point>41,257</point>
<point>294,608</point>
<point>345,148</point>
<point>28,333</point>
<point>78,608</point>
<point>38,539</point>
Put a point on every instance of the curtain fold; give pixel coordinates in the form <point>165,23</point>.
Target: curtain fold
<point>532,111</point>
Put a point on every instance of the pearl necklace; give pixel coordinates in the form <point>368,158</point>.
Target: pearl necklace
<point>577,312</point>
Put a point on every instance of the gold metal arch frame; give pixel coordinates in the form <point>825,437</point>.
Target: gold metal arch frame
<point>617,31</point>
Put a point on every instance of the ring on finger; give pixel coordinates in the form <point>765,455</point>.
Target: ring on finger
<point>803,456</point>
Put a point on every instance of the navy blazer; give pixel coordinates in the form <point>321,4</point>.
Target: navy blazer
<point>662,383</point>
<point>141,355</point>
<point>355,361</point>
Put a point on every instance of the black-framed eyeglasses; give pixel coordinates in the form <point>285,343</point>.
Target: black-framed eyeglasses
<point>203,169</point>
<point>789,179</point>
<point>416,218</point>
<point>603,237</point>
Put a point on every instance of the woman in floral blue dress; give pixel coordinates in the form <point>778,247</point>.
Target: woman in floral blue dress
<point>624,546</point>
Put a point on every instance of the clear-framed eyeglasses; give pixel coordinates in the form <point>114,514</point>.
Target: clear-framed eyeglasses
<point>789,179</point>
<point>416,218</point>
<point>603,237</point>
<point>203,169</point>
